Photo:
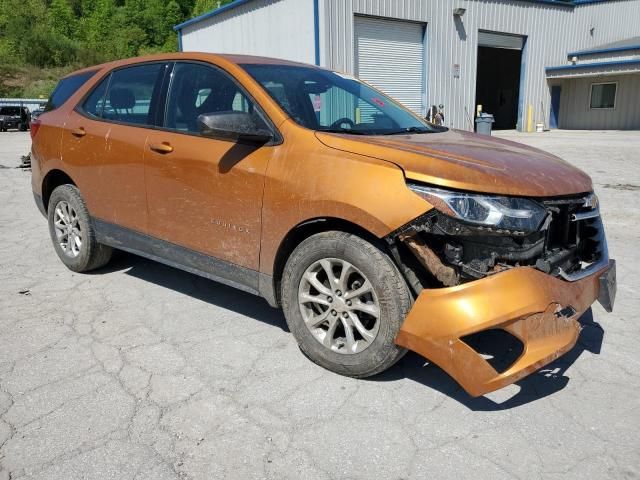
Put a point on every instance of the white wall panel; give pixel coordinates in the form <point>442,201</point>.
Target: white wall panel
<point>576,114</point>
<point>285,29</point>
<point>551,30</point>
<point>273,28</point>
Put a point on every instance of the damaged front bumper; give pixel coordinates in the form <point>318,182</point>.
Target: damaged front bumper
<point>538,309</point>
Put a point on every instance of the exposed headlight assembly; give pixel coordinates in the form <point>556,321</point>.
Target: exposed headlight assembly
<point>502,213</point>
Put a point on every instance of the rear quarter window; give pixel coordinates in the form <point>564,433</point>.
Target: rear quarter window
<point>66,88</point>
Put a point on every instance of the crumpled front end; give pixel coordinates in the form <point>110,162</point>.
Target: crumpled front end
<point>527,291</point>
<point>539,310</point>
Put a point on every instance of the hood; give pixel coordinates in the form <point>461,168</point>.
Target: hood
<point>467,161</point>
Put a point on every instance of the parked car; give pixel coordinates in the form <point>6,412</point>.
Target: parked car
<point>36,113</point>
<point>14,117</point>
<point>374,230</point>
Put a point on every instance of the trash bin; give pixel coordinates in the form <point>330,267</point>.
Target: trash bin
<point>483,123</point>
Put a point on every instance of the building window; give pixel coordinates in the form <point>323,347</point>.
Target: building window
<point>603,95</point>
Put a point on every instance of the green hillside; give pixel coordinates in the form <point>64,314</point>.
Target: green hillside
<point>41,40</point>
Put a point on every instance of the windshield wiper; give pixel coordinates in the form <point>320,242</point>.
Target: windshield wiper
<point>410,130</point>
<point>343,130</point>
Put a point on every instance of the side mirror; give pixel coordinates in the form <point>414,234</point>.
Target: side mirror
<point>234,126</point>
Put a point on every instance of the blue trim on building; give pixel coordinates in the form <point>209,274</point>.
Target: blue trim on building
<point>585,2</point>
<point>523,71</point>
<point>180,40</point>
<point>592,65</point>
<point>557,3</point>
<point>569,4</point>
<point>316,30</point>
<point>212,13</point>
<point>603,50</point>
<point>425,71</point>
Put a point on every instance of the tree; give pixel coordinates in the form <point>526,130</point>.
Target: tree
<point>204,6</point>
<point>98,28</point>
<point>173,16</point>
<point>61,18</point>
<point>58,36</point>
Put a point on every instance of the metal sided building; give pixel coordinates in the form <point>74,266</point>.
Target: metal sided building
<point>564,63</point>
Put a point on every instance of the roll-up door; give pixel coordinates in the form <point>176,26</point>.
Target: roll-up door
<point>500,40</point>
<point>389,54</point>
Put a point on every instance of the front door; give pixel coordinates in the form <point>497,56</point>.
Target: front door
<point>205,194</point>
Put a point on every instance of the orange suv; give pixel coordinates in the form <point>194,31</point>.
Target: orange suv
<point>374,230</point>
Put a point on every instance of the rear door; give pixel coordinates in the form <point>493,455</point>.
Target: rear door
<point>45,147</point>
<point>104,141</point>
<point>205,194</point>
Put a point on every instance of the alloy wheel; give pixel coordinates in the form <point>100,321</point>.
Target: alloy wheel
<point>67,228</point>
<point>339,306</point>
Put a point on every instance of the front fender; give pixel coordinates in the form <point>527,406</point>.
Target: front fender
<point>307,180</point>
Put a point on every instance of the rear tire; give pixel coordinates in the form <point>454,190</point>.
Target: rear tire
<point>334,282</point>
<point>72,232</point>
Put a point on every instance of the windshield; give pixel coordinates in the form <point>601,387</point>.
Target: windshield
<point>332,102</point>
<point>9,111</point>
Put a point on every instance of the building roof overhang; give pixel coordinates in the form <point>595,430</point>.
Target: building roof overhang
<point>625,45</point>
<point>594,69</point>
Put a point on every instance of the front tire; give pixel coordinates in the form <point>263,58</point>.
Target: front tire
<point>72,232</point>
<point>344,301</point>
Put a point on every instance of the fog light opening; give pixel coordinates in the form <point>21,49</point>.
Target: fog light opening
<point>497,347</point>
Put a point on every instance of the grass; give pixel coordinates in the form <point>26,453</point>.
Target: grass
<point>30,81</point>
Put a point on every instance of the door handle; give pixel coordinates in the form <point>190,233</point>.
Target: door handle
<point>163,147</point>
<point>78,132</point>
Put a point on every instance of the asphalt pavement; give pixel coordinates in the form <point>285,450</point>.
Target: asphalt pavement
<point>141,371</point>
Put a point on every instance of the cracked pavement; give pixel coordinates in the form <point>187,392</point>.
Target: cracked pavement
<point>141,371</point>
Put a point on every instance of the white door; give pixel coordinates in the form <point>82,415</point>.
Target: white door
<point>389,54</point>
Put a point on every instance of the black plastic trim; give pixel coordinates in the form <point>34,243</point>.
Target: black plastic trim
<point>180,257</point>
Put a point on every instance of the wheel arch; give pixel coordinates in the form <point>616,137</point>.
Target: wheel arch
<point>304,230</point>
<point>53,179</point>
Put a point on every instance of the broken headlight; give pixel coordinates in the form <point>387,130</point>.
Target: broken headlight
<point>503,213</point>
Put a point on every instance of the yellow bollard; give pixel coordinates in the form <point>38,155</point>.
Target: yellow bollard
<point>529,118</point>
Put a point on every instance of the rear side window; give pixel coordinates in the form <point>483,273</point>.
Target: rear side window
<point>94,103</point>
<point>67,87</point>
<point>129,94</point>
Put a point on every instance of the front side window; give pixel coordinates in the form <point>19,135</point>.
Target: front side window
<point>603,95</point>
<point>198,89</point>
<point>129,94</point>
<point>328,101</point>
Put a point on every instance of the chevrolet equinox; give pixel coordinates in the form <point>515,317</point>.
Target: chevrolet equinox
<point>375,231</point>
